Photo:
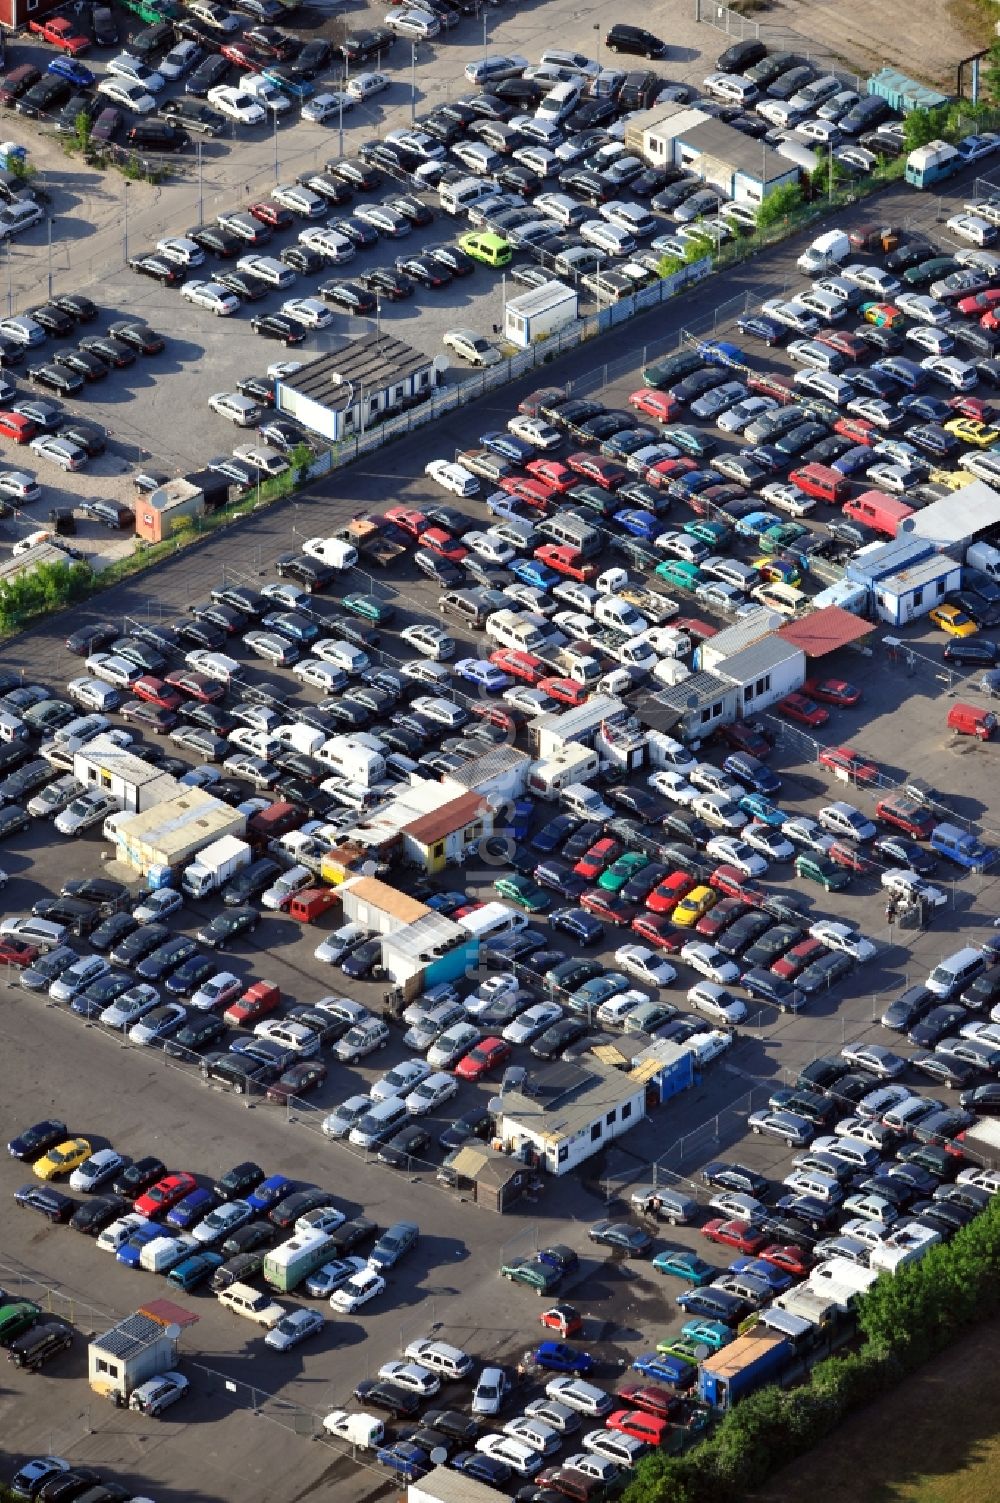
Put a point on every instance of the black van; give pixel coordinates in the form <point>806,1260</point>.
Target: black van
<point>37,1346</point>
<point>634,39</point>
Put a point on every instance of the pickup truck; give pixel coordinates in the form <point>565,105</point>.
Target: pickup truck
<point>651,604</point>
<point>371,542</point>
<point>59,32</point>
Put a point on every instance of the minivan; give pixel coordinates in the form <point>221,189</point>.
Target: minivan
<point>560,102</point>
<point>825,384</point>
<point>458,198</point>
<point>953,974</point>
<point>877,510</point>
<point>379,1124</point>
<point>37,1346</point>
<point>242,1299</point>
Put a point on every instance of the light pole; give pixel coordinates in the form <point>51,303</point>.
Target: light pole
<point>201,193</point>
<point>413,82</point>
<point>275,145</point>
<point>485,44</point>
<point>341,147</point>
<point>49,224</point>
<point>597,28</point>
<point>124,229</point>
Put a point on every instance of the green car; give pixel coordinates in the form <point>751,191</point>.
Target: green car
<point>369,607</point>
<point>690,440</point>
<point>542,1277</point>
<point>685,1265</point>
<point>822,870</point>
<point>676,572</point>
<point>781,536</point>
<point>708,1333</point>
<point>523,892</point>
<point>620,871</point>
<point>16,1317</point>
<point>715,534</point>
<point>682,1348</point>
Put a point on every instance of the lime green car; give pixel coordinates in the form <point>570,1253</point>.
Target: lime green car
<point>680,1347</point>
<point>620,871</point>
<point>524,893</point>
<point>676,572</point>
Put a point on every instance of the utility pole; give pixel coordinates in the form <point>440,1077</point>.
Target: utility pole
<point>201,193</point>
<point>49,224</point>
<point>413,82</point>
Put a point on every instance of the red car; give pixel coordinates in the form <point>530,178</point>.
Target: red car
<point>17,952</point>
<point>657,930</point>
<point>566,559</point>
<point>157,692</point>
<point>655,404</point>
<point>733,1233</point>
<point>858,430</point>
<point>797,958</point>
<point>832,691</point>
<point>564,1319</point>
<point>906,815</point>
<point>640,1425</point>
<point>566,690</point>
<point>610,906</point>
<point>746,738</point>
<point>522,665</point>
<point>668,893</point>
<point>851,345</point>
<point>852,764</point>
<point>606,473</point>
<point>272,214</point>
<point>436,540</point>
<point>256,1002</point>
<point>243,56</point>
<point>720,917</point>
<point>972,407</point>
<point>848,854</point>
<point>792,1259</point>
<point>802,710</point>
<point>731,881</point>
<point>694,627</point>
<point>665,470</point>
<point>16,427</point>
<point>600,855</point>
<point>197,685</point>
<point>553,473</point>
<point>979,302</point>
<point>650,1398</point>
<point>527,488</point>
<point>409,519</point>
<point>483,1059</point>
<point>164,1194</point>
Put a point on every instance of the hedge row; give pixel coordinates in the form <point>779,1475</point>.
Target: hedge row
<point>905,1319</point>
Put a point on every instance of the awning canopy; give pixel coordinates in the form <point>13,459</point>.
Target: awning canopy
<point>824,631</point>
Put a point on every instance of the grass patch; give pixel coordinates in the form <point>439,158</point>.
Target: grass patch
<point>935,1439</point>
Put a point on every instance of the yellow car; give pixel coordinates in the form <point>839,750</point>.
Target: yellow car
<point>955,622</point>
<point>955,480</point>
<point>63,1159</point>
<point>697,903</point>
<point>972,431</point>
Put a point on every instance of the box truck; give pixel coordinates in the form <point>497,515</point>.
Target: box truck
<point>932,164</point>
<point>214,865</point>
<point>286,1265</point>
<point>746,1364</point>
<point>982,1142</point>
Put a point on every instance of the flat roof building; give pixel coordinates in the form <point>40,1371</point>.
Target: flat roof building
<point>367,380</point>
<point>569,1111</point>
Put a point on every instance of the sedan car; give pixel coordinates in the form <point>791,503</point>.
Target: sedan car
<point>633,1241</point>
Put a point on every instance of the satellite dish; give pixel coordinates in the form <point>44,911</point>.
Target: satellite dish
<point>439,1455</point>
<point>173,1331</point>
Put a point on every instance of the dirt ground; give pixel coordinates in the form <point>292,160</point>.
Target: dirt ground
<point>934,1440</point>
<point>925,43</point>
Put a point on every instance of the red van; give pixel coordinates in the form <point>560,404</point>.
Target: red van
<point>566,559</point>
<point>311,902</point>
<point>970,720</point>
<point>821,481</point>
<point>274,821</point>
<point>877,510</point>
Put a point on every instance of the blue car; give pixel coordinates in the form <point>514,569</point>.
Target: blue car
<point>552,834</point>
<point>488,1469</point>
<point>521,816</point>
<point>758,807</point>
<point>697,480</point>
<point>445,902</point>
<point>721,352</point>
<point>518,450</point>
<point>927,409</point>
<point>192,1271</point>
<point>760,326</point>
<point>557,1357</point>
<point>664,1369</point>
<point>129,1251</point>
<point>69,68</point>
<point>298,88</point>
<point>641,524</point>
<point>759,1268</point>
<point>586,928</point>
<point>855,461</point>
<point>751,772</point>
<point>486,675</point>
<point>192,1209</point>
<point>767,457</point>
<point>756,522</point>
<point>529,571</point>
<point>404,1458</point>
<point>271,1190</point>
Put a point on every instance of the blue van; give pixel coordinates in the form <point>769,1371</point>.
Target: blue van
<point>751,773</point>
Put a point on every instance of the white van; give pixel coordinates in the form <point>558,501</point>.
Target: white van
<point>13,728</point>
<point>955,972</point>
<point>826,385</point>
<point>585,802</point>
<point>493,918</point>
<point>253,1304</point>
<point>559,102</point>
<point>353,660</point>
<point>609,238</point>
<point>379,1123</point>
<point>458,198</point>
<point>301,737</point>
<point>448,1362</point>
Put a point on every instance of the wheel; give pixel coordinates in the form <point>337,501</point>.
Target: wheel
<point>237,1090</point>
<point>757,1130</point>
<point>790,1142</point>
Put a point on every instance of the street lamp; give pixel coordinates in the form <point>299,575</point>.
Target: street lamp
<point>597,28</point>
<point>125,223</point>
<point>413,82</point>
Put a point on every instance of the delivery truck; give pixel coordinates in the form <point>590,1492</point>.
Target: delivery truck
<point>739,1369</point>
<point>362,1430</point>
<point>982,1142</point>
<point>286,1265</point>
<point>932,164</point>
<point>215,865</point>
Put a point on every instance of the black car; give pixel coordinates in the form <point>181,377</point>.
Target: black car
<point>398,1403</point>
<point>389,282</point>
<point>238,1182</point>
<point>407,1148</point>
<point>92,638</point>
<point>166,958</point>
<point>278,326</point>
<point>157,136</point>
<point>95,890</point>
<point>38,1139</point>
<point>229,926</point>
<point>111,351</point>
<point>298,1203</point>
<point>97,1213</point>
<point>363,961</point>
<point>111,931</point>
<point>250,1237</point>
<point>104,26</point>
<point>53,319</point>
<point>358,46</point>
<point>81,363</point>
<point>261,389</point>
<point>635,40</point>
<point>210,71</point>
<point>734,1176</point>
<point>136,1178</point>
<point>200,118</point>
<point>47,1200</point>
<point>217,241</point>
<point>196,1033</point>
<point>476,1122</point>
<point>244,284</point>
<point>302,258</point>
<point>158,267</point>
<point>56,378</point>
<point>633,1241</point>
<point>978,651</point>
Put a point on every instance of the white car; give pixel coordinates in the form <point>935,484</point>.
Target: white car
<point>158,905</point>
<point>322,676</point>
<point>333,247</point>
<point>716,1003</point>
<point>432,1092</point>
<point>412,1376</point>
<point>673,785</point>
<point>58,451</point>
<point>290,1035</point>
<point>844,819</point>
<point>418,25</point>
<point>642,962</point>
<point>875,1058</point>
<point>293,1328</point>
<point>921,305</point>
<point>536,431</point>
<point>493,550</point>
<point>784,496</point>
<point>365,85</point>
<point>308,311</point>
<point>158,1393</point>
<point>516,1454</point>
<point>213,296</point>
<point>431,640</point>
<point>490,1391</point>
<point>97,1170</point>
<point>223,1220</point>
<point>744,413</point>
<point>972,227</point>
<point>808,834</point>
<point>20,486</point>
<point>323,1219</point>
<point>179,59</point>
<point>359,1289</point>
<point>533,1022</point>
<point>872,279</point>
<point>736,853</point>
<point>771,843</point>
<point>585,1398</point>
<point>961,375</point>
<point>218,991</point>
<point>452,477</point>
<point>401,1079</point>
<point>236,105</point>
<point>709,779</point>
<point>469,345</point>
<point>842,937</point>
<point>127,95</point>
<point>710,962</point>
<point>336,945</point>
<point>329,105</point>
<point>135,71</point>
<point>299,199</point>
<point>720,812</point>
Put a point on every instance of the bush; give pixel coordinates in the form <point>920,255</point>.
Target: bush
<point>778,205</point>
<point>44,588</point>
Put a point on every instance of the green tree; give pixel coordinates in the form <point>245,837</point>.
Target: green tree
<point>921,126</point>
<point>779,205</point>
<point>300,459</point>
<point>669,266</point>
<point>81,130</point>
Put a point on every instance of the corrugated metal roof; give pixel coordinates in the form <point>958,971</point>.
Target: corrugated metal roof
<point>581,719</point>
<point>741,634</point>
<point>759,657</point>
<point>493,764</point>
<point>447,1486</point>
<point>825,631</point>
<point>539,299</point>
<point>960,517</point>
<point>927,571</point>
<point>454,814</point>
<point>427,937</point>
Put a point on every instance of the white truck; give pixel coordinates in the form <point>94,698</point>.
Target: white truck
<point>906,1245</point>
<point>981,1141</point>
<point>215,865</point>
<point>362,1430</point>
<point>654,606</point>
<point>826,253</point>
<point>336,552</point>
<point>985,557</point>
<point>573,763</point>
